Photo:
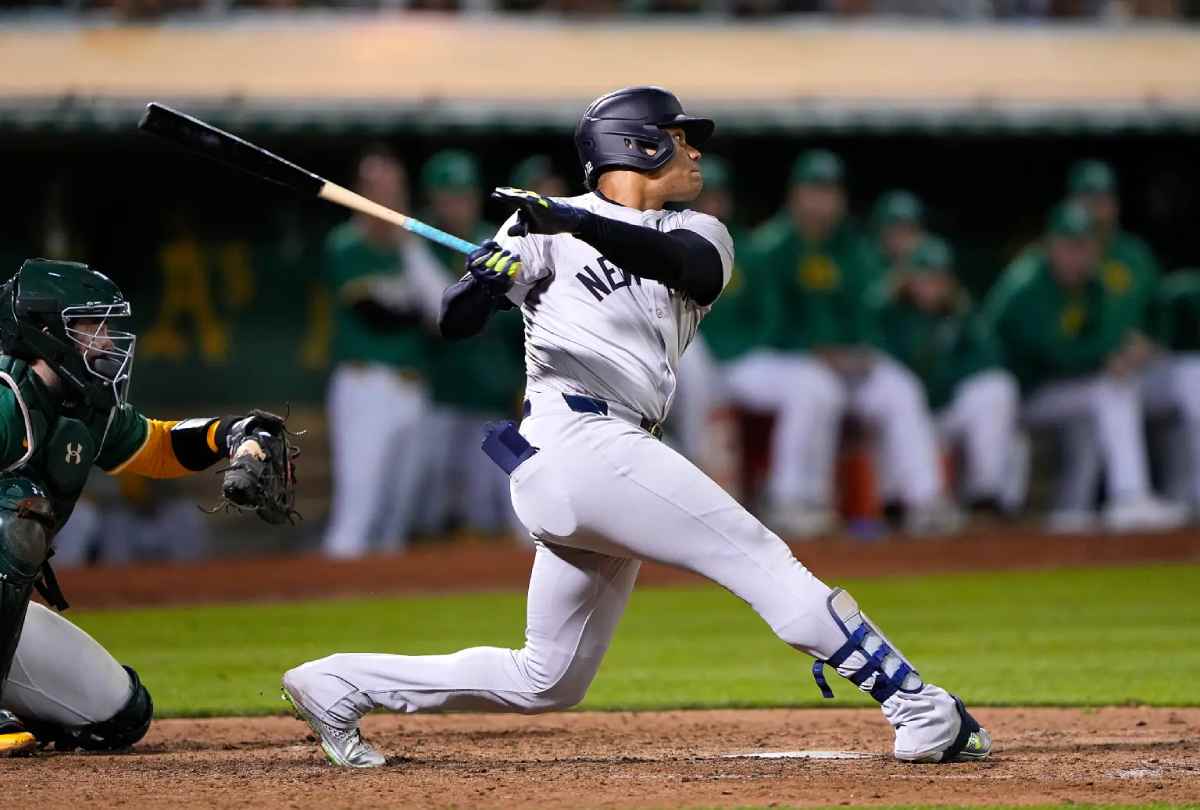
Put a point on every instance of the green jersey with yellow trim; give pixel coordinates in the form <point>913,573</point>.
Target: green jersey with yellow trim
<point>941,348</point>
<point>54,445</point>
<point>1048,332</point>
<point>350,261</point>
<point>814,291</point>
<point>1177,311</point>
<point>734,325</point>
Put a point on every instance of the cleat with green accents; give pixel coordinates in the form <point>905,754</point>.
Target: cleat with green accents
<point>344,747</point>
<point>971,743</point>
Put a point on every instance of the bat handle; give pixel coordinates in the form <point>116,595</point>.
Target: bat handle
<point>354,201</point>
<point>441,237</point>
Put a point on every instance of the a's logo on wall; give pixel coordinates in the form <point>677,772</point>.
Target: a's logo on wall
<point>74,453</point>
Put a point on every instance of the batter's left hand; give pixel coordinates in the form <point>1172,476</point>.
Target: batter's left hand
<point>538,214</point>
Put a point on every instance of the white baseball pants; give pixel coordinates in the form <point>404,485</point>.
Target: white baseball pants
<point>61,675</point>
<point>599,496</point>
<point>982,419</point>
<point>378,451</point>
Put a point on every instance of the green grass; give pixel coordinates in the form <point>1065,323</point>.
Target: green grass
<point>1071,805</point>
<point>1071,638</point>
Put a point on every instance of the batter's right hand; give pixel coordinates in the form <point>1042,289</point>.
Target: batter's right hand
<point>493,267</point>
<point>538,214</point>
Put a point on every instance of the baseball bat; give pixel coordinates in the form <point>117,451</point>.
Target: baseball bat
<point>227,149</point>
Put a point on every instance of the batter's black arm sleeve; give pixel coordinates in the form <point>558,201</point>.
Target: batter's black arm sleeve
<point>680,259</point>
<point>466,307</point>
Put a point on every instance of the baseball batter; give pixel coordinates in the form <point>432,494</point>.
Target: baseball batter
<point>612,287</point>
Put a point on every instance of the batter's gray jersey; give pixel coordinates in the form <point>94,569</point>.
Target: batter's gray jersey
<point>592,328</point>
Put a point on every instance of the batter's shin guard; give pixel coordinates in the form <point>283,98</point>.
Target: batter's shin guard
<point>867,659</point>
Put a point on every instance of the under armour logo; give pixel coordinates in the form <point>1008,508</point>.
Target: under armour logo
<point>74,453</point>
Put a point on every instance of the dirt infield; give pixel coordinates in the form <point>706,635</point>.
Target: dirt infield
<point>473,566</point>
<point>624,760</point>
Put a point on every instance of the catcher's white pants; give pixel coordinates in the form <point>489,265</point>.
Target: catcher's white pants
<point>61,675</point>
<point>982,418</point>
<point>378,448</point>
<point>599,496</point>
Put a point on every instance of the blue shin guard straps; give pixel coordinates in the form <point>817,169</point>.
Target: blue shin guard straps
<point>884,686</point>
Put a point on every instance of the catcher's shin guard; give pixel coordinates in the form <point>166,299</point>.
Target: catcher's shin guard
<point>867,659</point>
<point>25,522</point>
<point>123,729</point>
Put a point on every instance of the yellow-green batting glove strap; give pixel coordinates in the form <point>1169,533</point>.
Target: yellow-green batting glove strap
<point>494,268</point>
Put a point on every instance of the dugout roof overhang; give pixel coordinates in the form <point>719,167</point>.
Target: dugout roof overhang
<point>426,72</point>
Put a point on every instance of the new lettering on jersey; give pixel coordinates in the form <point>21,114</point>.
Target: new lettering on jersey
<point>592,328</point>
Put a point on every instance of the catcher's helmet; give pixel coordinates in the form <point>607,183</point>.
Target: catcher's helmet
<point>41,310</point>
<point>616,130</point>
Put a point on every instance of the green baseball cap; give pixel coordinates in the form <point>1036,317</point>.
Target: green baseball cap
<point>531,171</point>
<point>898,205</point>
<point>1092,177</point>
<point>717,175</point>
<point>817,167</point>
<point>933,255</point>
<point>1070,218</point>
<point>450,170</point>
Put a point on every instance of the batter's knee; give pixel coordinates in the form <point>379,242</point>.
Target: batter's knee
<point>559,686</point>
<point>128,726</point>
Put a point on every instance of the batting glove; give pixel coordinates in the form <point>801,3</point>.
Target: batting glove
<point>493,267</point>
<point>538,214</point>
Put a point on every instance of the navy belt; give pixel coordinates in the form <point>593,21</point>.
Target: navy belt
<point>582,404</point>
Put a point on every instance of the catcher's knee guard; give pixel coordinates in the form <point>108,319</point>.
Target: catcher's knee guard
<point>867,659</point>
<point>123,729</point>
<point>26,523</point>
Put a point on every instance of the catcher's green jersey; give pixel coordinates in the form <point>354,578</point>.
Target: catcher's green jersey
<point>65,442</point>
<point>1177,311</point>
<point>735,324</point>
<point>487,373</point>
<point>1048,332</point>
<point>350,262</point>
<point>942,349</point>
<point>814,292</point>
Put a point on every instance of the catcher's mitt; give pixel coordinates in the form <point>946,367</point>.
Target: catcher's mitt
<point>261,476</point>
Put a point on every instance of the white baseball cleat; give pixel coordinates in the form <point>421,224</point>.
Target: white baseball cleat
<point>970,741</point>
<point>344,747</point>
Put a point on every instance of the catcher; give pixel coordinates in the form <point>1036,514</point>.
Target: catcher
<point>64,377</point>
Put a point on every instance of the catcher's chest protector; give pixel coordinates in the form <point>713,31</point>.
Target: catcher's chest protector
<point>64,448</point>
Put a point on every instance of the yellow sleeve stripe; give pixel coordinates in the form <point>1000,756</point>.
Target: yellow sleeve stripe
<point>155,458</point>
<point>212,436</point>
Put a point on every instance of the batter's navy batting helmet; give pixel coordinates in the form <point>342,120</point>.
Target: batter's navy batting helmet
<point>618,129</point>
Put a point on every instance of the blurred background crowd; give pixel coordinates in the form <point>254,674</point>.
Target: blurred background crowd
<point>964,10</point>
<point>962,298</point>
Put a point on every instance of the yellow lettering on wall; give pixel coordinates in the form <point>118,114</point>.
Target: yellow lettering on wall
<point>314,349</point>
<point>188,320</point>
